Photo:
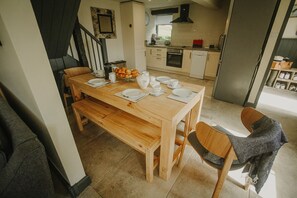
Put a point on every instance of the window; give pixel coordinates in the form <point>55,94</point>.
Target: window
<point>163,27</point>
<point>164,32</point>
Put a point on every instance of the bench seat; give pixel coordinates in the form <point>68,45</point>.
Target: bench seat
<point>135,132</point>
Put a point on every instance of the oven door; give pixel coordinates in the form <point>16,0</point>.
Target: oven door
<point>174,59</point>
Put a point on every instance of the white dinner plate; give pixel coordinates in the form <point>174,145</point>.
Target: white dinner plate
<point>176,87</point>
<point>163,79</point>
<point>183,93</point>
<point>132,93</point>
<point>96,81</point>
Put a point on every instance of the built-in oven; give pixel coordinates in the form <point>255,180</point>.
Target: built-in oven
<point>174,58</point>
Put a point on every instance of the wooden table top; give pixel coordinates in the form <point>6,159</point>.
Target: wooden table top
<point>150,108</point>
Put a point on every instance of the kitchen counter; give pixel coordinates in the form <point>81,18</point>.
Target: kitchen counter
<point>186,48</point>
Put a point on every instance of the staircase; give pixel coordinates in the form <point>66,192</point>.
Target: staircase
<point>95,50</point>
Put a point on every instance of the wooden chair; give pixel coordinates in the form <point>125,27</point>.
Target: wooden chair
<point>213,140</point>
<point>70,72</point>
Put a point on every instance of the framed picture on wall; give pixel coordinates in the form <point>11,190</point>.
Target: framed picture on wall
<point>294,11</point>
<point>103,23</point>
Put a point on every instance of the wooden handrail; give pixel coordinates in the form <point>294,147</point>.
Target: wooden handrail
<point>90,34</point>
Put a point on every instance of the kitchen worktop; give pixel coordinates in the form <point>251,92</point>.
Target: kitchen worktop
<point>186,48</point>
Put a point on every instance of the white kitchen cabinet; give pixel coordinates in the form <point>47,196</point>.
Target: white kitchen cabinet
<point>156,57</point>
<point>198,64</point>
<point>133,31</point>
<point>211,65</point>
<point>187,61</point>
<point>140,62</point>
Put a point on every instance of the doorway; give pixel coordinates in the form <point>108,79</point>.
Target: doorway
<point>280,89</point>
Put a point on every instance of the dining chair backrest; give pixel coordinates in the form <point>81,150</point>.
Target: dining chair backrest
<point>74,71</point>
<point>213,140</point>
<point>70,72</point>
<point>249,116</point>
<point>218,142</point>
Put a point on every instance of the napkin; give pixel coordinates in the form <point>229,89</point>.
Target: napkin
<point>181,99</point>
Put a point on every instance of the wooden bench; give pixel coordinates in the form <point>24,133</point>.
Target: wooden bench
<point>137,133</point>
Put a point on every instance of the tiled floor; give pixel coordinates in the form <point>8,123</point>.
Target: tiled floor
<point>116,170</point>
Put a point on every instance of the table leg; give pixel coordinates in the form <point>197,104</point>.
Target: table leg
<point>76,93</point>
<point>195,113</point>
<point>167,149</point>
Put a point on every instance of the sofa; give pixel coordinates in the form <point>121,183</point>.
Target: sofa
<point>24,169</point>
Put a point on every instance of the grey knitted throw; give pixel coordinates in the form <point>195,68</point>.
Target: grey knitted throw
<point>259,149</point>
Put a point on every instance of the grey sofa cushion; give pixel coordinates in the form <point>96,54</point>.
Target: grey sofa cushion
<point>2,160</point>
<point>5,143</point>
<point>26,172</point>
<point>9,121</point>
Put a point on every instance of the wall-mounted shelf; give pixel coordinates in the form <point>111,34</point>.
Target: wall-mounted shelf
<point>285,79</point>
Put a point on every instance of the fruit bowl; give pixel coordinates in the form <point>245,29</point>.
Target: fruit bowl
<point>127,79</point>
<point>126,74</point>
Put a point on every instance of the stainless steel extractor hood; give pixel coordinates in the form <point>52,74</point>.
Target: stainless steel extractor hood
<point>184,15</point>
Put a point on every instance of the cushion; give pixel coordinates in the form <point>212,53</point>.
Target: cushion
<point>5,143</point>
<point>2,160</point>
<point>210,158</point>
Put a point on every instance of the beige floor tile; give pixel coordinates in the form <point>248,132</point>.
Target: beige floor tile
<point>197,179</point>
<point>128,180</point>
<point>102,155</point>
<point>90,132</point>
<point>117,170</point>
<point>89,192</point>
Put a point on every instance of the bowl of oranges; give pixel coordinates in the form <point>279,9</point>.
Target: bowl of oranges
<point>126,74</point>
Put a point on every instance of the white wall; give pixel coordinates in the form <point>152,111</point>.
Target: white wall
<point>208,25</point>
<point>26,72</point>
<point>151,27</point>
<point>275,31</point>
<point>291,28</point>
<point>114,46</point>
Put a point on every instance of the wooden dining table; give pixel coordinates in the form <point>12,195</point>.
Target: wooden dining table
<point>158,110</point>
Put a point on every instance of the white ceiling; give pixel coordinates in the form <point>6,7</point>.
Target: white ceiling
<point>169,3</point>
<point>161,3</point>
